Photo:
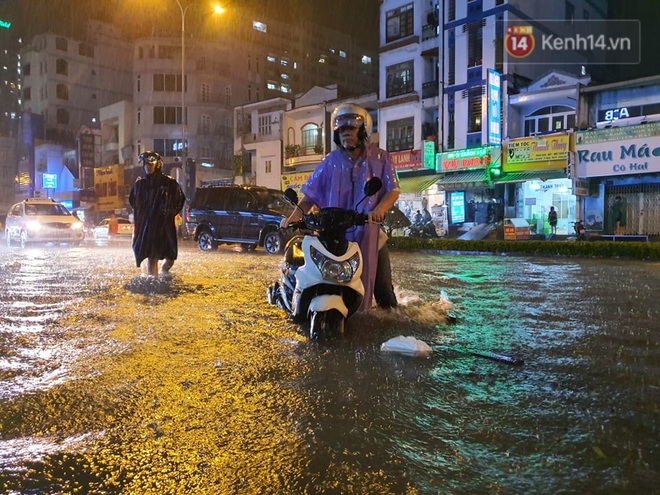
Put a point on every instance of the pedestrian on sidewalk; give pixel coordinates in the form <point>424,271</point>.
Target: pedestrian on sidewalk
<point>552,220</point>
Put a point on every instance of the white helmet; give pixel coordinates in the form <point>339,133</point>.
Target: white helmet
<point>349,114</point>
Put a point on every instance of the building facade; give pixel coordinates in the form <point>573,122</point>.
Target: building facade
<point>446,77</point>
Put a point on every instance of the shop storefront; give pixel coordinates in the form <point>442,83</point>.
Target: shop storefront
<point>620,167</point>
<point>535,177</point>
<point>417,179</point>
<point>466,179</point>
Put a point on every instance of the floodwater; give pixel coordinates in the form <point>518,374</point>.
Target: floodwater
<point>112,383</point>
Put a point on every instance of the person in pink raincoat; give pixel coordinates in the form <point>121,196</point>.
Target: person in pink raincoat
<point>339,182</point>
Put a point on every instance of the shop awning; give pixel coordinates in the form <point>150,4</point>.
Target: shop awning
<point>417,184</point>
<point>463,177</point>
<point>532,175</point>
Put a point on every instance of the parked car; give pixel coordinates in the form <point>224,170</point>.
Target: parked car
<point>125,228</point>
<point>37,220</point>
<point>245,215</point>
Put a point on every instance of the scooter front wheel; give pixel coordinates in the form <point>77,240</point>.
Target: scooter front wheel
<point>326,325</point>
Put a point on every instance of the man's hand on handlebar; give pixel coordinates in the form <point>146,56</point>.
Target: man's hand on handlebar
<point>377,215</point>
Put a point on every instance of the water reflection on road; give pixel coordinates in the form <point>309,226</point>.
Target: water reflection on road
<point>111,382</point>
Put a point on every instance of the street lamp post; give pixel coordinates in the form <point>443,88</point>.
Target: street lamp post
<point>183,77</point>
<point>218,10</point>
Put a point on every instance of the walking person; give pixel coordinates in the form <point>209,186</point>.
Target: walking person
<point>156,199</point>
<point>552,220</point>
<point>339,182</point>
<point>113,226</point>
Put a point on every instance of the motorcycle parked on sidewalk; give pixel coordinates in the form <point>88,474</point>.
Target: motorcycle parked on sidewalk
<point>320,282</point>
<point>580,230</point>
<point>424,229</point>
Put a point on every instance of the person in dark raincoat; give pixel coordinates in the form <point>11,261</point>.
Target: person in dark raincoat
<point>339,181</point>
<point>156,199</point>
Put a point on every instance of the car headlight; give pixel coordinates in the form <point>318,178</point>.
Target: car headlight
<point>76,226</point>
<point>33,225</point>
<point>337,271</point>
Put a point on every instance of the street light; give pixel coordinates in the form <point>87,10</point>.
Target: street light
<point>216,9</point>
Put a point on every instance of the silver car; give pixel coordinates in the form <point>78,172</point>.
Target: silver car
<point>37,220</point>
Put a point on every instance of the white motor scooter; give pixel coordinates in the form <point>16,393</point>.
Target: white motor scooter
<point>320,284</point>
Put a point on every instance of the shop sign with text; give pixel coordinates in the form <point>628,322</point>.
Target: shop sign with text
<point>541,152</point>
<point>407,160</point>
<point>108,188</point>
<point>467,159</point>
<point>294,181</point>
<point>631,156</point>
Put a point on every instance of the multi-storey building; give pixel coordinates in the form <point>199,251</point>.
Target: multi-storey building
<point>151,100</point>
<point>283,142</point>
<point>10,68</point>
<point>65,83</point>
<point>617,158</point>
<point>435,63</point>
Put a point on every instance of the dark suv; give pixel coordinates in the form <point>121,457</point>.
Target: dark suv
<point>246,215</point>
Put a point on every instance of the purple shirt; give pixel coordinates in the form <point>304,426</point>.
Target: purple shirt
<point>339,182</point>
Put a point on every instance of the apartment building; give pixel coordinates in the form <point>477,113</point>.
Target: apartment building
<point>446,77</point>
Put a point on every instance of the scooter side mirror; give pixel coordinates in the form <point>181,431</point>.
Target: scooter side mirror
<point>291,196</point>
<point>372,186</point>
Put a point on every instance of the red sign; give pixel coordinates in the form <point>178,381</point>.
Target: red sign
<point>519,41</point>
<point>407,160</point>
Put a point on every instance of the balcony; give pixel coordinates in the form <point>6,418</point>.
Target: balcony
<point>430,89</point>
<point>296,155</point>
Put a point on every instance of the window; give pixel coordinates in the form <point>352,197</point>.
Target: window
<point>86,50</point>
<point>61,67</point>
<point>205,124</point>
<point>228,96</point>
<point>268,166</point>
<point>400,134</point>
<point>168,147</point>
<point>27,69</point>
<point>311,137</point>
<point>474,109</point>
<point>205,92</point>
<point>167,82</point>
<point>61,44</point>
<point>139,116</point>
<point>569,12</point>
<point>475,44</point>
<point>265,128</point>
<point>167,115</point>
<point>550,119</point>
<point>62,92</point>
<point>451,11</point>
<point>27,93</point>
<point>451,65</point>
<point>400,79</point>
<point>139,84</point>
<point>399,23</point>
<point>62,116</point>
<point>451,131</point>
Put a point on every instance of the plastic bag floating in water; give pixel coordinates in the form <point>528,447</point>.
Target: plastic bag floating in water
<point>408,346</point>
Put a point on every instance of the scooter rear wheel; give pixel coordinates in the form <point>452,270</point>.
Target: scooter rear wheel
<point>326,325</point>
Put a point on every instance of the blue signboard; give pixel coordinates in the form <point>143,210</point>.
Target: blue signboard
<point>457,207</point>
<point>50,181</point>
<point>494,108</point>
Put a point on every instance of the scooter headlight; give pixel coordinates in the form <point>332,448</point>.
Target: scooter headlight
<point>336,271</point>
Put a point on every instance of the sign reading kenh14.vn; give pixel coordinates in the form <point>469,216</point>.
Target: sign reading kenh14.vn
<point>553,41</point>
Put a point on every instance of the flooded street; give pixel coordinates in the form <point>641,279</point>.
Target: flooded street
<point>113,383</point>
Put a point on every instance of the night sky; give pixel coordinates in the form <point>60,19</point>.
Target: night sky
<point>359,18</point>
